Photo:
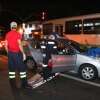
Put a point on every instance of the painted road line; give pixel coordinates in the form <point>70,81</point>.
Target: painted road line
<point>80,80</point>
<point>43,81</point>
<point>38,84</point>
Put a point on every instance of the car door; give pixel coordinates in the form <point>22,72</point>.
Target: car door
<point>64,61</point>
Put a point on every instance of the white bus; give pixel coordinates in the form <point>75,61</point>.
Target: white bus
<point>84,29</point>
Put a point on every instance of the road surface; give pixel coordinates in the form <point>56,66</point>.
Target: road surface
<point>60,88</point>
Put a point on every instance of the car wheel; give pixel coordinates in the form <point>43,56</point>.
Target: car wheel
<point>30,63</point>
<point>88,72</point>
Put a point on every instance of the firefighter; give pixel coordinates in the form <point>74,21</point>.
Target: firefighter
<point>44,72</point>
<point>16,56</point>
<point>48,47</point>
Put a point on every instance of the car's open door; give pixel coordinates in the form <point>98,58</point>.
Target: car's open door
<point>62,63</point>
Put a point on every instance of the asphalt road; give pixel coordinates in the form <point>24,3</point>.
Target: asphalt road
<point>59,88</point>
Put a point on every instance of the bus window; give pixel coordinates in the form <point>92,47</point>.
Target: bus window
<point>91,26</point>
<point>59,29</point>
<point>73,27</point>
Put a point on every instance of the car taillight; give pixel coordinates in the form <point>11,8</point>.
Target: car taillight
<point>50,63</point>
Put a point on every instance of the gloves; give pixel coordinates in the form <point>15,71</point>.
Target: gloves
<point>24,57</point>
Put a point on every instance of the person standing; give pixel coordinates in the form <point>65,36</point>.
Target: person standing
<point>48,48</point>
<point>16,56</point>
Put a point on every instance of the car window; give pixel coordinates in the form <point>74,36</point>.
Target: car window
<point>61,47</point>
<point>79,47</point>
<point>69,50</point>
<point>65,48</point>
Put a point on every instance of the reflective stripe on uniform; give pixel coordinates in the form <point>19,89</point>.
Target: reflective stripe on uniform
<point>55,47</point>
<point>51,42</point>
<point>43,47</point>
<point>11,75</point>
<point>44,65</point>
<point>44,55</point>
<point>22,74</point>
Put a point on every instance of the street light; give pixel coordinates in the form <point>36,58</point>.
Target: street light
<point>44,16</point>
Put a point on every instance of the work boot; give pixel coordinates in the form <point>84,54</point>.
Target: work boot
<point>12,83</point>
<point>25,85</point>
<point>46,73</point>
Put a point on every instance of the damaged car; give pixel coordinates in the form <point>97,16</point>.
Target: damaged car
<point>68,57</point>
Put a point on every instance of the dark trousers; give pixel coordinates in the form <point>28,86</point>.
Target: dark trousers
<point>46,73</point>
<point>15,63</point>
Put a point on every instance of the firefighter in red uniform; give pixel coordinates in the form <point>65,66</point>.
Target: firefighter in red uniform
<point>16,56</point>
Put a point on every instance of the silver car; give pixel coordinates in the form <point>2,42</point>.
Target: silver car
<point>68,58</point>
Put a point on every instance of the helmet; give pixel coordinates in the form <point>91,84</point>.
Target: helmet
<point>13,24</point>
<point>51,37</point>
<point>55,34</point>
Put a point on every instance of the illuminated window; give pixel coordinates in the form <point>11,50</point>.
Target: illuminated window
<point>73,27</point>
<point>91,26</point>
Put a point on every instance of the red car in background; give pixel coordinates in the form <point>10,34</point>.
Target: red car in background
<point>2,47</point>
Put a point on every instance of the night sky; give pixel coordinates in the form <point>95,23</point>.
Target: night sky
<point>26,10</point>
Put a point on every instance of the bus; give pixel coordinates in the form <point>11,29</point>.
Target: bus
<point>84,29</point>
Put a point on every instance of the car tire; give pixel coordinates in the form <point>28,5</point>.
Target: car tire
<point>30,63</point>
<point>88,72</point>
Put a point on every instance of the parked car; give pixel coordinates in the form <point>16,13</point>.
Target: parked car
<point>68,58</point>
